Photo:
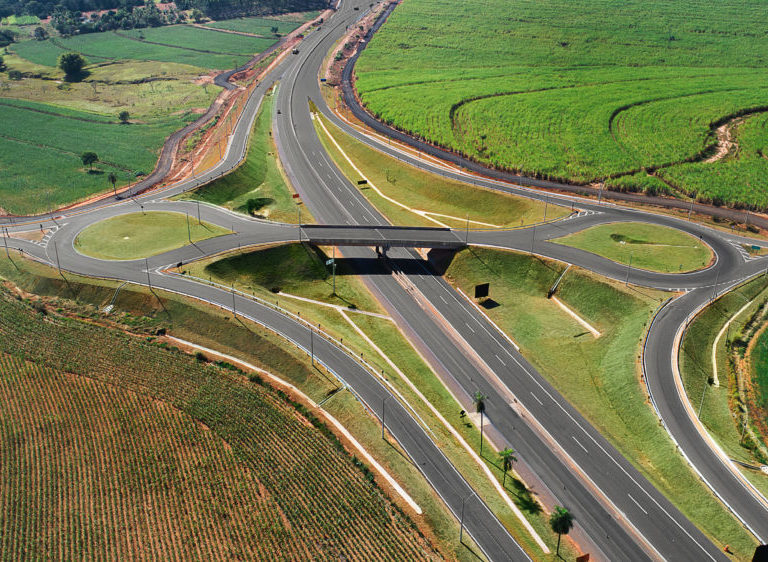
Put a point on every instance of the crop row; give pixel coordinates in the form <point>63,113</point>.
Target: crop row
<point>575,91</point>
<point>262,482</point>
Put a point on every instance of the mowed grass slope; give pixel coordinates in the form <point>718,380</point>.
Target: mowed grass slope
<point>643,246</point>
<point>580,90</point>
<point>599,376</point>
<point>196,460</point>
<point>257,186</point>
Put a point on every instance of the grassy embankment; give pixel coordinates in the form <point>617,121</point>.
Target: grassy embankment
<point>645,246</point>
<point>140,235</point>
<point>445,201</point>
<point>300,270</point>
<point>722,406</point>
<point>599,376</point>
<point>198,460</point>
<point>258,186</point>
<point>614,88</point>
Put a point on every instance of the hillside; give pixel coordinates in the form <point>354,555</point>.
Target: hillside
<point>105,455</point>
<point>645,95</point>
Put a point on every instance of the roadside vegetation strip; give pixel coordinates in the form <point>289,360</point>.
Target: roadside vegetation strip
<point>599,377</point>
<point>410,196</point>
<point>138,235</point>
<point>647,246</point>
<point>310,484</point>
<point>258,186</point>
<point>723,409</point>
<point>583,105</point>
<point>726,326</point>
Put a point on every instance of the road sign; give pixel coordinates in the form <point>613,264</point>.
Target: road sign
<point>481,291</point>
<point>362,182</point>
<point>756,248</point>
<point>329,262</point>
<point>295,196</point>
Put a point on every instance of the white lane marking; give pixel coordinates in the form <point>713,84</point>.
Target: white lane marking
<point>580,445</point>
<point>637,504</point>
<point>537,399</point>
<point>443,299</point>
<point>470,327</point>
<point>500,361</point>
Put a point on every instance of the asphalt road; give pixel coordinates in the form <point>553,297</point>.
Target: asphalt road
<point>616,509</point>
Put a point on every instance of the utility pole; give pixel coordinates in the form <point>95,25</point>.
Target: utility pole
<point>234,308</point>
<point>189,232</point>
<point>56,251</point>
<point>690,209</point>
<point>600,193</point>
<point>198,213</point>
<point>461,521</point>
<point>383,411</point>
<point>546,202</point>
<point>629,266</point>
<point>5,241</point>
<point>298,208</point>
<point>533,237</point>
<point>466,237</point>
<point>701,404</point>
<point>714,289</point>
<point>334,270</point>
<point>312,344</point>
<point>146,265</point>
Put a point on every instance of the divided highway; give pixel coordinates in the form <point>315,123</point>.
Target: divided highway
<point>617,510</point>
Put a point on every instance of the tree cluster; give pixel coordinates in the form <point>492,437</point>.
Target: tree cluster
<point>71,23</point>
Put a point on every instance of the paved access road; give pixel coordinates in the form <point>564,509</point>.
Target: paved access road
<point>619,514</point>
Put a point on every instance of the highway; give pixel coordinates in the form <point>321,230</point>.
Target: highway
<point>619,514</point>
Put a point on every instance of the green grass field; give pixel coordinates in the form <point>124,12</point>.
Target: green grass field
<point>581,90</point>
<point>197,460</point>
<point>259,26</point>
<point>41,144</point>
<point>139,235</point>
<point>448,202</point>
<point>599,376</point>
<point>759,361</point>
<point>645,246</point>
<point>257,186</point>
<point>184,44</point>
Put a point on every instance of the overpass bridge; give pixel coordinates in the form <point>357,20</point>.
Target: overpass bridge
<point>381,237</point>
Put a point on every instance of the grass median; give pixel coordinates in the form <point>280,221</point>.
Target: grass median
<point>644,246</point>
<point>139,235</point>
<point>601,375</point>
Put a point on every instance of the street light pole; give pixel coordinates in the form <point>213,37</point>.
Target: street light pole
<point>629,266</point>
<point>5,241</point>
<point>461,521</point>
<point>312,344</point>
<point>383,411</point>
<point>149,281</point>
<point>533,237</point>
<point>189,232</point>
<point>334,270</point>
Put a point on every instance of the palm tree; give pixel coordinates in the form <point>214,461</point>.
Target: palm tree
<point>507,457</point>
<point>113,180</point>
<point>480,409</point>
<point>561,522</point>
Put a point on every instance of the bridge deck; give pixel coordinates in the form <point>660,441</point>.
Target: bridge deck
<point>384,236</point>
